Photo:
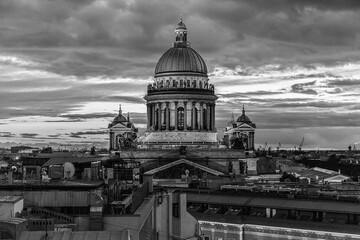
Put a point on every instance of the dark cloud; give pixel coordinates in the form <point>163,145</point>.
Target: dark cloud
<point>87,116</point>
<point>345,82</point>
<point>29,135</point>
<point>79,134</point>
<point>304,88</point>
<point>7,135</point>
<point>125,39</point>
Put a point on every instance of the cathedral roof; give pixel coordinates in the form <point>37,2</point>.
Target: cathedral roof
<point>181,57</point>
<point>120,119</point>
<point>243,118</point>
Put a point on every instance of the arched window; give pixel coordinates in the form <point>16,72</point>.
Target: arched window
<point>200,84</point>
<point>188,83</point>
<point>181,83</point>
<point>180,115</point>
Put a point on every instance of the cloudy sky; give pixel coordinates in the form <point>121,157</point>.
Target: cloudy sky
<point>66,65</point>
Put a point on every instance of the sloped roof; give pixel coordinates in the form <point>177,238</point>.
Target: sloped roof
<point>67,235</point>
<point>74,159</point>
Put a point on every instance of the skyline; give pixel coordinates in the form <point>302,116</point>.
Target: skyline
<point>66,66</point>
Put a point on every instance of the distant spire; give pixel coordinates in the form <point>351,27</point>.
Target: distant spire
<point>243,111</point>
<point>232,116</point>
<point>128,116</point>
<point>120,111</point>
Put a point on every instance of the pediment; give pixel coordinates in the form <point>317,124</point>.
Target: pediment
<point>120,126</point>
<point>187,162</point>
<point>244,126</point>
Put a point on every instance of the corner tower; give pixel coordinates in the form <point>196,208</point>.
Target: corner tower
<point>181,101</point>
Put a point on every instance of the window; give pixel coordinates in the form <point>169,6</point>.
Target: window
<point>206,238</point>
<point>188,83</point>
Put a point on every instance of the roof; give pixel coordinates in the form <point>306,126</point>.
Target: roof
<point>217,199</point>
<point>181,59</point>
<point>10,199</point>
<point>33,185</point>
<point>67,235</point>
<point>278,203</point>
<point>320,173</point>
<point>14,220</point>
<point>73,159</point>
<point>196,165</point>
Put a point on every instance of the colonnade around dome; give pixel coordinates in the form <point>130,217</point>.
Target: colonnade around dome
<point>181,116</point>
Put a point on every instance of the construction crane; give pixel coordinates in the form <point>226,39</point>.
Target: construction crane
<point>301,144</point>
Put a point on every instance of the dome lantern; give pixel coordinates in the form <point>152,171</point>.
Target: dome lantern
<point>181,35</point>
<point>181,57</point>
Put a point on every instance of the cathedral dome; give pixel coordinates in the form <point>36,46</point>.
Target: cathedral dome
<point>243,118</point>
<point>181,59</point>
<point>119,118</point>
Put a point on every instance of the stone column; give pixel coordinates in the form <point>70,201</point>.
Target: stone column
<point>208,127</point>
<point>159,116</point>
<point>193,117</point>
<point>185,115</point>
<point>167,116</point>
<point>176,115</point>
<point>148,114</point>
<point>201,116</point>
<point>153,106</point>
<point>213,117</point>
